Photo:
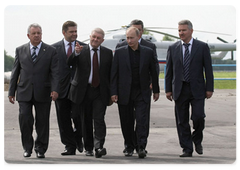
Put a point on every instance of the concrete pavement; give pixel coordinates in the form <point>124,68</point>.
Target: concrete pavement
<point>163,148</point>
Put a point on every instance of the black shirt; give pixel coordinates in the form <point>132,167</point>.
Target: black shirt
<point>135,64</point>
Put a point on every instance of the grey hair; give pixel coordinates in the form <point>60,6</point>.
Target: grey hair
<point>186,22</point>
<point>99,31</point>
<point>34,25</point>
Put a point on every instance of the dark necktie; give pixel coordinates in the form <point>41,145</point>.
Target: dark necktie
<point>95,77</point>
<point>69,52</point>
<point>186,63</point>
<point>34,55</point>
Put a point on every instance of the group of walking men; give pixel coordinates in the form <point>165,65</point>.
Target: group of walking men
<point>83,79</point>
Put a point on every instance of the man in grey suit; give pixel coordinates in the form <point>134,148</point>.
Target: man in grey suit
<point>187,60</point>
<point>66,110</point>
<point>90,88</point>
<point>35,78</point>
<point>133,70</point>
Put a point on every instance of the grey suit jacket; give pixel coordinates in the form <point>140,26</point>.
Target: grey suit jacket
<point>121,76</point>
<point>200,61</point>
<point>83,67</point>
<point>36,79</point>
<point>66,73</point>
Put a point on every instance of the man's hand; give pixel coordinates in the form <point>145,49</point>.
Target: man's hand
<point>11,99</point>
<point>209,94</point>
<point>114,98</point>
<point>54,95</point>
<point>155,96</point>
<point>169,96</point>
<point>78,48</point>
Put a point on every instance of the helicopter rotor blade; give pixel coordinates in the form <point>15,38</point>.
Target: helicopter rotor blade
<point>194,30</point>
<point>222,40</point>
<point>163,33</point>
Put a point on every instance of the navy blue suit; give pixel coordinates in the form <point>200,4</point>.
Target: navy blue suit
<point>186,93</point>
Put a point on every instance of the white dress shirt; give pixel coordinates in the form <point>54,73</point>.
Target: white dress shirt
<point>67,46</point>
<point>37,49</point>
<point>189,47</point>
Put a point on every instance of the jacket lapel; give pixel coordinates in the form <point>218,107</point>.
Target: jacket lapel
<point>41,52</point>
<point>27,49</point>
<point>142,54</point>
<point>127,58</point>
<point>194,50</point>
<point>179,51</point>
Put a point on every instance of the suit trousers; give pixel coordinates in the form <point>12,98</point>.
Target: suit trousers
<point>26,121</point>
<point>94,115</point>
<point>64,109</point>
<point>182,104</point>
<point>78,124</point>
<point>137,109</point>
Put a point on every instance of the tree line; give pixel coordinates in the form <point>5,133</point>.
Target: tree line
<point>8,62</point>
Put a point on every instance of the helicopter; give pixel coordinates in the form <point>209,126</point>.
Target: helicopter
<point>162,46</point>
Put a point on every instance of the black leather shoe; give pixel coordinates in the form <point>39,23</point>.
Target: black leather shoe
<point>68,152</point>
<point>128,153</point>
<point>80,148</point>
<point>142,153</point>
<point>89,153</point>
<point>100,152</point>
<point>199,149</point>
<point>186,154</point>
<point>40,155</point>
<point>26,154</point>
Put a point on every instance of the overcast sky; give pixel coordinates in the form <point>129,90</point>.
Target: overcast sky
<point>17,18</point>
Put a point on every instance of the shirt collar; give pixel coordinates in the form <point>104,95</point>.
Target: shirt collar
<point>92,47</point>
<point>140,40</point>
<point>190,42</point>
<point>38,46</point>
<point>66,42</point>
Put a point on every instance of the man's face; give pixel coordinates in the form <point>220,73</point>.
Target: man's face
<point>71,34</point>
<point>139,27</point>
<point>35,35</point>
<point>132,39</point>
<point>96,39</point>
<point>185,33</point>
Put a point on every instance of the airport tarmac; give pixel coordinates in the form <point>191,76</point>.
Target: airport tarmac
<point>219,144</point>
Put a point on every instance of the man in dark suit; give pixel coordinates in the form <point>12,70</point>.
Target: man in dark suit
<point>186,61</point>
<point>66,110</point>
<point>133,70</point>
<point>139,25</point>
<point>90,88</point>
<point>35,78</point>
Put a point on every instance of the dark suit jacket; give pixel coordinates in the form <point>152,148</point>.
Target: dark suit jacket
<point>121,76</point>
<point>36,79</point>
<point>147,44</point>
<point>200,60</point>
<point>66,73</point>
<point>83,67</point>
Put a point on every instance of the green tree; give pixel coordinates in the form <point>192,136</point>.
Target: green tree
<point>167,38</point>
<point>8,62</point>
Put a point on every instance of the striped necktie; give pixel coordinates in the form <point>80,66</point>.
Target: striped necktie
<point>34,55</point>
<point>186,63</point>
